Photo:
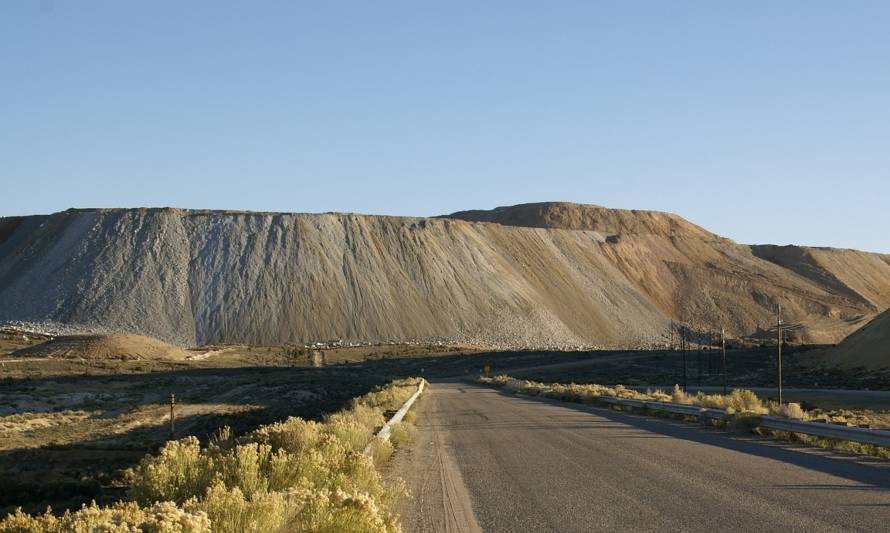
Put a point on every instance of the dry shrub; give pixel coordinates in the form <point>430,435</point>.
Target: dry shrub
<point>292,435</point>
<point>391,397</point>
<point>402,432</point>
<point>788,410</point>
<point>739,401</point>
<point>342,512</point>
<point>163,517</point>
<point>180,471</point>
<point>294,475</point>
<point>381,451</point>
<point>678,395</point>
<point>495,381</point>
<point>231,512</point>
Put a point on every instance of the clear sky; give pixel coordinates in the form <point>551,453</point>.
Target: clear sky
<point>762,121</point>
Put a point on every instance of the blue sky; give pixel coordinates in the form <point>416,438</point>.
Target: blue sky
<point>762,121</point>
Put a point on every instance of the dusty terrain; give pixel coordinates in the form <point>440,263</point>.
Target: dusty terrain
<point>104,347</point>
<point>868,347</point>
<point>70,427</point>
<point>708,282</point>
<point>540,275</point>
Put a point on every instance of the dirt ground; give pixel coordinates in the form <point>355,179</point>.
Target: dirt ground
<point>69,428</point>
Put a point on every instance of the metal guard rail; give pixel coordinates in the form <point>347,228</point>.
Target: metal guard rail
<point>875,437</point>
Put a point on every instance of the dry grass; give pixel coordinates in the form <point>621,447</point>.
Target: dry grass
<point>739,401</point>
<point>854,448</point>
<point>742,407</point>
<point>292,475</point>
<point>402,432</point>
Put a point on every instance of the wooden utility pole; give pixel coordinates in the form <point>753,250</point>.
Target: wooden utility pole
<point>698,337</point>
<point>683,348</point>
<point>779,347</point>
<point>172,416</point>
<point>709,348</point>
<point>723,350</point>
<point>672,336</point>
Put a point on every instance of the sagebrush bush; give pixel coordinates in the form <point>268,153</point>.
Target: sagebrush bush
<point>180,471</point>
<point>231,512</point>
<point>739,401</point>
<point>292,435</point>
<point>294,475</point>
<point>381,451</point>
<point>788,410</point>
<point>163,517</point>
<point>402,432</point>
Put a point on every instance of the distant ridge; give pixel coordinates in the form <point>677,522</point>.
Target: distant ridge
<point>535,275</point>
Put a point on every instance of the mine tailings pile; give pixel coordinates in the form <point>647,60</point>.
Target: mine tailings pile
<point>534,275</point>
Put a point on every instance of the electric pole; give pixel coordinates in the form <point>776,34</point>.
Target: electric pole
<point>723,349</point>
<point>698,337</point>
<point>683,348</point>
<point>779,347</point>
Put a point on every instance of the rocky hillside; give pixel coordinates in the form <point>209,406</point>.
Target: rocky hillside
<point>534,275</point>
<point>867,347</point>
<point>708,281</point>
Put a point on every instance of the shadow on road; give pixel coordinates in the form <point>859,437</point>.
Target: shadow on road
<point>869,471</point>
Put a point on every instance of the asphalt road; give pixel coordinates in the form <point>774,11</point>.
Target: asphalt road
<point>488,460</point>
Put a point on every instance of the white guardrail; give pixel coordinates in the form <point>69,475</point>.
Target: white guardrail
<point>386,430</point>
<point>876,437</point>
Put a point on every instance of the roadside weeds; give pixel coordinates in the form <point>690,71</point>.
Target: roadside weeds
<point>291,475</point>
<point>742,408</point>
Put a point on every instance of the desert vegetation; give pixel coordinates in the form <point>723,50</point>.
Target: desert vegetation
<point>294,475</point>
<point>739,401</point>
<point>740,405</point>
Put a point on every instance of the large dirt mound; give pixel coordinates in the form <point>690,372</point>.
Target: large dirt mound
<point>707,281</point>
<point>867,347</point>
<point>537,275</point>
<point>116,346</point>
<point>565,215</point>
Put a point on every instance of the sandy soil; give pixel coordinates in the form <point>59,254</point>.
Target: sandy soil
<point>103,347</point>
<point>868,347</point>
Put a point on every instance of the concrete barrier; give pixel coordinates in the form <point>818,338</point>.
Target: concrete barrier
<point>386,430</point>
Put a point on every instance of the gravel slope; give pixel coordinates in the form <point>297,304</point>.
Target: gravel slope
<point>868,347</point>
<point>589,276</point>
<point>199,277</point>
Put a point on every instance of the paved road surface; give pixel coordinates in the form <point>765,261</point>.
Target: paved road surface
<point>491,461</point>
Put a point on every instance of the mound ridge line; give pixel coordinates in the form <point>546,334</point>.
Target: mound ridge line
<point>539,275</point>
